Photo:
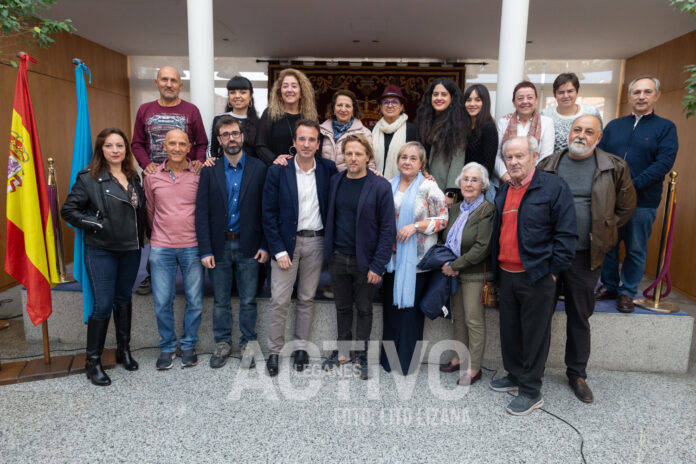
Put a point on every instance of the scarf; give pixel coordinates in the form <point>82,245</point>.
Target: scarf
<point>454,237</point>
<point>511,131</point>
<point>340,129</point>
<point>386,162</point>
<point>406,253</point>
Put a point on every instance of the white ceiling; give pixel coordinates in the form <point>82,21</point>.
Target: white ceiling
<point>439,29</point>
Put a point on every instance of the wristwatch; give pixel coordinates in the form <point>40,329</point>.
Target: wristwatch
<point>415,225</point>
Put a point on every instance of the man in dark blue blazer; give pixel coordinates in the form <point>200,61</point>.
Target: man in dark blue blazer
<point>230,237</point>
<point>295,199</point>
<point>360,236</point>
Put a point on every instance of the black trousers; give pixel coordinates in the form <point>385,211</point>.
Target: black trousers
<point>403,327</point>
<point>577,285</point>
<point>525,327</point>
<point>350,288</point>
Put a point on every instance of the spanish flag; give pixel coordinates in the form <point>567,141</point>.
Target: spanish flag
<point>30,252</point>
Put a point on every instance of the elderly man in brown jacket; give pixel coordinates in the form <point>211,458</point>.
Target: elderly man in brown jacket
<point>604,201</point>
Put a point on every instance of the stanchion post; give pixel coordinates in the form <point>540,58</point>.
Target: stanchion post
<point>654,303</point>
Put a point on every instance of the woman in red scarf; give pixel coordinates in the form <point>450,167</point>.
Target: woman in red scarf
<point>526,120</point>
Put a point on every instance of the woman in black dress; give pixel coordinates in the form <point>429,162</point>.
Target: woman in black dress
<point>240,105</point>
<point>290,99</point>
<point>481,133</point>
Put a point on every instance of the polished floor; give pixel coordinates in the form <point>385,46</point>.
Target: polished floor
<point>232,415</point>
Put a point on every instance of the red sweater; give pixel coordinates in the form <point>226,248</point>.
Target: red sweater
<point>509,256</point>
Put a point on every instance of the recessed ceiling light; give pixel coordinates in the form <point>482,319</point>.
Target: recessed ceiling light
<point>375,41</point>
<point>530,41</point>
<point>356,41</point>
<point>225,39</point>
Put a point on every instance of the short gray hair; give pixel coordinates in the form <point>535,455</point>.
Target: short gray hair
<point>484,175</point>
<point>645,76</point>
<point>601,131</point>
<point>531,143</point>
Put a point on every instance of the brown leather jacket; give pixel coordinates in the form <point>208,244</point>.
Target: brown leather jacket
<point>613,200</point>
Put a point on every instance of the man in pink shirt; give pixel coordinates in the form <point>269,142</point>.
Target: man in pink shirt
<point>155,119</point>
<point>171,204</point>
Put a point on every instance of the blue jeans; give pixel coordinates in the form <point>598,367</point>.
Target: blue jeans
<point>112,275</point>
<point>163,266</point>
<point>246,270</point>
<point>635,234</point>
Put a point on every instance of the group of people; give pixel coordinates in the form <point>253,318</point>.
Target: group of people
<point>534,202</point>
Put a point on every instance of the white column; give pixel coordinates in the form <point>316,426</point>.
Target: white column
<point>202,57</point>
<point>511,54</point>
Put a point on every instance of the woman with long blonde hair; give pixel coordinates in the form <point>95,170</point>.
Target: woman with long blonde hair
<point>291,98</point>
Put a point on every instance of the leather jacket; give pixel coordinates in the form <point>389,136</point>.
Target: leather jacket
<point>613,200</point>
<point>101,207</point>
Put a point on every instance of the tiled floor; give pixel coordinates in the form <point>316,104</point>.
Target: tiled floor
<point>232,415</point>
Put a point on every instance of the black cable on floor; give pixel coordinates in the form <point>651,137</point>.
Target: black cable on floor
<point>582,439</point>
<point>11,317</point>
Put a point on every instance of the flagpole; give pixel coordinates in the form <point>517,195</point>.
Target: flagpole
<point>46,343</point>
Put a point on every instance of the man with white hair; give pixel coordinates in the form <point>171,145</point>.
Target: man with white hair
<point>534,239</point>
<point>648,143</point>
<point>604,200</point>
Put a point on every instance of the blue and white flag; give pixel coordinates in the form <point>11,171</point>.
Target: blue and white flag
<point>82,154</point>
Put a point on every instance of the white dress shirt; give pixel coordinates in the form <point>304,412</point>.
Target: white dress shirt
<point>309,213</point>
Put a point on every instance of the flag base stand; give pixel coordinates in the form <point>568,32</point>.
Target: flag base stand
<point>108,360</point>
<point>9,372</point>
<point>39,370</point>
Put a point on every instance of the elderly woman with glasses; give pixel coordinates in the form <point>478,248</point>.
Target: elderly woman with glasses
<point>392,131</point>
<point>468,235</point>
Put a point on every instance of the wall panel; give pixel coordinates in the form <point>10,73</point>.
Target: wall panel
<point>52,87</point>
<point>666,62</point>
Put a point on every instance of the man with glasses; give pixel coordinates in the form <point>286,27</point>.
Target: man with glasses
<point>230,237</point>
<point>295,200</point>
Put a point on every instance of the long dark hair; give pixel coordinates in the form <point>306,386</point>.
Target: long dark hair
<point>484,116</point>
<point>99,165</point>
<point>446,131</point>
<point>252,120</point>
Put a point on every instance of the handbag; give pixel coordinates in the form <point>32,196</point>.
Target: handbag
<point>489,291</point>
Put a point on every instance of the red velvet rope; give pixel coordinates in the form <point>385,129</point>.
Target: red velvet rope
<point>664,274</point>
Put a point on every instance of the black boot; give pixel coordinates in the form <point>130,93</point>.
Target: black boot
<point>122,322</point>
<point>96,334</point>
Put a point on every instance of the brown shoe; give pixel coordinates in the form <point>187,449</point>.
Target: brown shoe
<point>466,380</point>
<point>581,390</point>
<point>449,367</point>
<point>604,294</point>
<point>624,304</point>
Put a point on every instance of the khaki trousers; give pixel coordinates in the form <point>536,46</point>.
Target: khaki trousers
<point>306,266</point>
<point>469,319</point>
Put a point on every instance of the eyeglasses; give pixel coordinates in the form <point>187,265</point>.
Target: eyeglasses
<point>394,102</point>
<point>233,134</point>
<point>470,180</point>
<point>307,139</point>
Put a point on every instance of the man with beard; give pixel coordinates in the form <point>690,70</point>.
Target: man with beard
<point>230,237</point>
<point>604,200</point>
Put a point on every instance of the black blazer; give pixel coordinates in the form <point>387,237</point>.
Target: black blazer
<point>211,209</point>
<point>376,224</point>
<point>281,204</point>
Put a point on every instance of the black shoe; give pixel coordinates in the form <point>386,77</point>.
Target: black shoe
<point>272,365</point>
<point>362,365</point>
<point>604,294</point>
<point>145,288</point>
<point>332,361</point>
<point>301,360</point>
<point>122,323</point>
<point>189,358</point>
<point>581,390</point>
<point>96,334</point>
<point>625,304</point>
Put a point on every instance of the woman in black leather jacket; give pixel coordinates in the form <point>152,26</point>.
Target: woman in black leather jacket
<point>108,201</point>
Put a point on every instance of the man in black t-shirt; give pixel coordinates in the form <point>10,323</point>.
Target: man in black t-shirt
<point>360,235</point>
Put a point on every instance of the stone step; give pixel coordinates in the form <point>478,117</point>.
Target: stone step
<point>643,342</point>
